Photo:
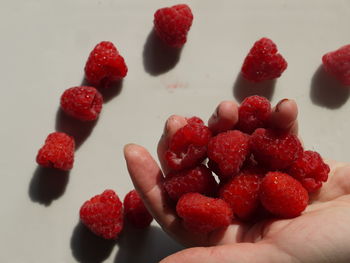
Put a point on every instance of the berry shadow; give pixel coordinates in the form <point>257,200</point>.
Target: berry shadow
<point>243,88</point>
<point>80,130</point>
<point>86,247</point>
<point>112,90</point>
<point>145,245</point>
<point>47,184</point>
<point>158,58</point>
<point>326,91</point>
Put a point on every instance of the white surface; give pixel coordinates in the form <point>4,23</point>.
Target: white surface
<point>44,46</point>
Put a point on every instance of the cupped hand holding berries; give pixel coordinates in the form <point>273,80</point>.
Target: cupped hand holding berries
<point>319,234</point>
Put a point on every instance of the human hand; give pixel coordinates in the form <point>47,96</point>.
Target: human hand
<point>320,234</point>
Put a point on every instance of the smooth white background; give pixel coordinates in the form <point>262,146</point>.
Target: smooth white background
<point>44,46</point>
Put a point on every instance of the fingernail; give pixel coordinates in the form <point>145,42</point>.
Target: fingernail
<point>216,112</point>
<point>165,129</point>
<point>278,106</point>
<point>127,146</point>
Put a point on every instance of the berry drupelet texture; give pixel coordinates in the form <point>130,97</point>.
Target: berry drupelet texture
<point>282,195</point>
<point>242,194</point>
<point>227,152</point>
<point>57,152</point>
<point>83,103</point>
<point>188,146</point>
<point>105,65</point>
<point>263,62</point>
<point>103,215</point>
<point>196,180</point>
<point>203,214</point>
<point>275,149</point>
<point>173,23</point>
<point>254,112</point>
<point>135,211</point>
<point>337,63</point>
<point>310,170</point>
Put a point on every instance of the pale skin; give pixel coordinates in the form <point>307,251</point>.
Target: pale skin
<point>320,235</point>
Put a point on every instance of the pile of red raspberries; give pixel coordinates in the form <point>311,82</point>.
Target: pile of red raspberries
<point>257,168</point>
<point>239,173</point>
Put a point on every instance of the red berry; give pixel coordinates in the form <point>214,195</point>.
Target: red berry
<point>57,152</point>
<point>135,211</point>
<point>253,113</point>
<point>282,195</point>
<point>310,170</point>
<point>83,103</point>
<point>196,180</point>
<point>188,146</point>
<point>173,23</point>
<point>242,194</point>
<point>228,151</point>
<point>275,149</point>
<point>263,62</point>
<point>203,214</point>
<point>103,214</point>
<point>105,65</point>
<point>337,63</point>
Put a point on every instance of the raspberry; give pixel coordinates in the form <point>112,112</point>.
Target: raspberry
<point>105,65</point>
<point>57,152</point>
<point>228,151</point>
<point>103,215</point>
<point>203,214</point>
<point>197,180</point>
<point>310,170</point>
<point>253,113</point>
<point>173,23</point>
<point>275,149</point>
<point>242,194</point>
<point>188,146</point>
<point>282,195</point>
<point>135,211</point>
<point>263,62</point>
<point>337,63</point>
<point>83,103</point>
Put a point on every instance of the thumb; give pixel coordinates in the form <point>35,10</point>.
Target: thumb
<point>234,253</point>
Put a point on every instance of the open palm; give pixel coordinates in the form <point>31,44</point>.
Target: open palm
<point>320,234</point>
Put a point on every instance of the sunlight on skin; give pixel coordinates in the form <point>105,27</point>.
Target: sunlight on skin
<point>320,234</point>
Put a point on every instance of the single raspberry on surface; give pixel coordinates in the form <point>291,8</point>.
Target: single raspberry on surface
<point>275,149</point>
<point>263,62</point>
<point>135,211</point>
<point>242,194</point>
<point>103,215</point>
<point>282,195</point>
<point>253,113</point>
<point>57,152</point>
<point>227,151</point>
<point>105,65</point>
<point>173,23</point>
<point>188,146</point>
<point>196,180</point>
<point>203,214</point>
<point>83,103</point>
<point>337,63</point>
<point>310,170</point>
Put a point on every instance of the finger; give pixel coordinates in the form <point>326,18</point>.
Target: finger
<point>172,124</point>
<point>237,253</point>
<point>147,179</point>
<point>224,117</point>
<point>284,115</point>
